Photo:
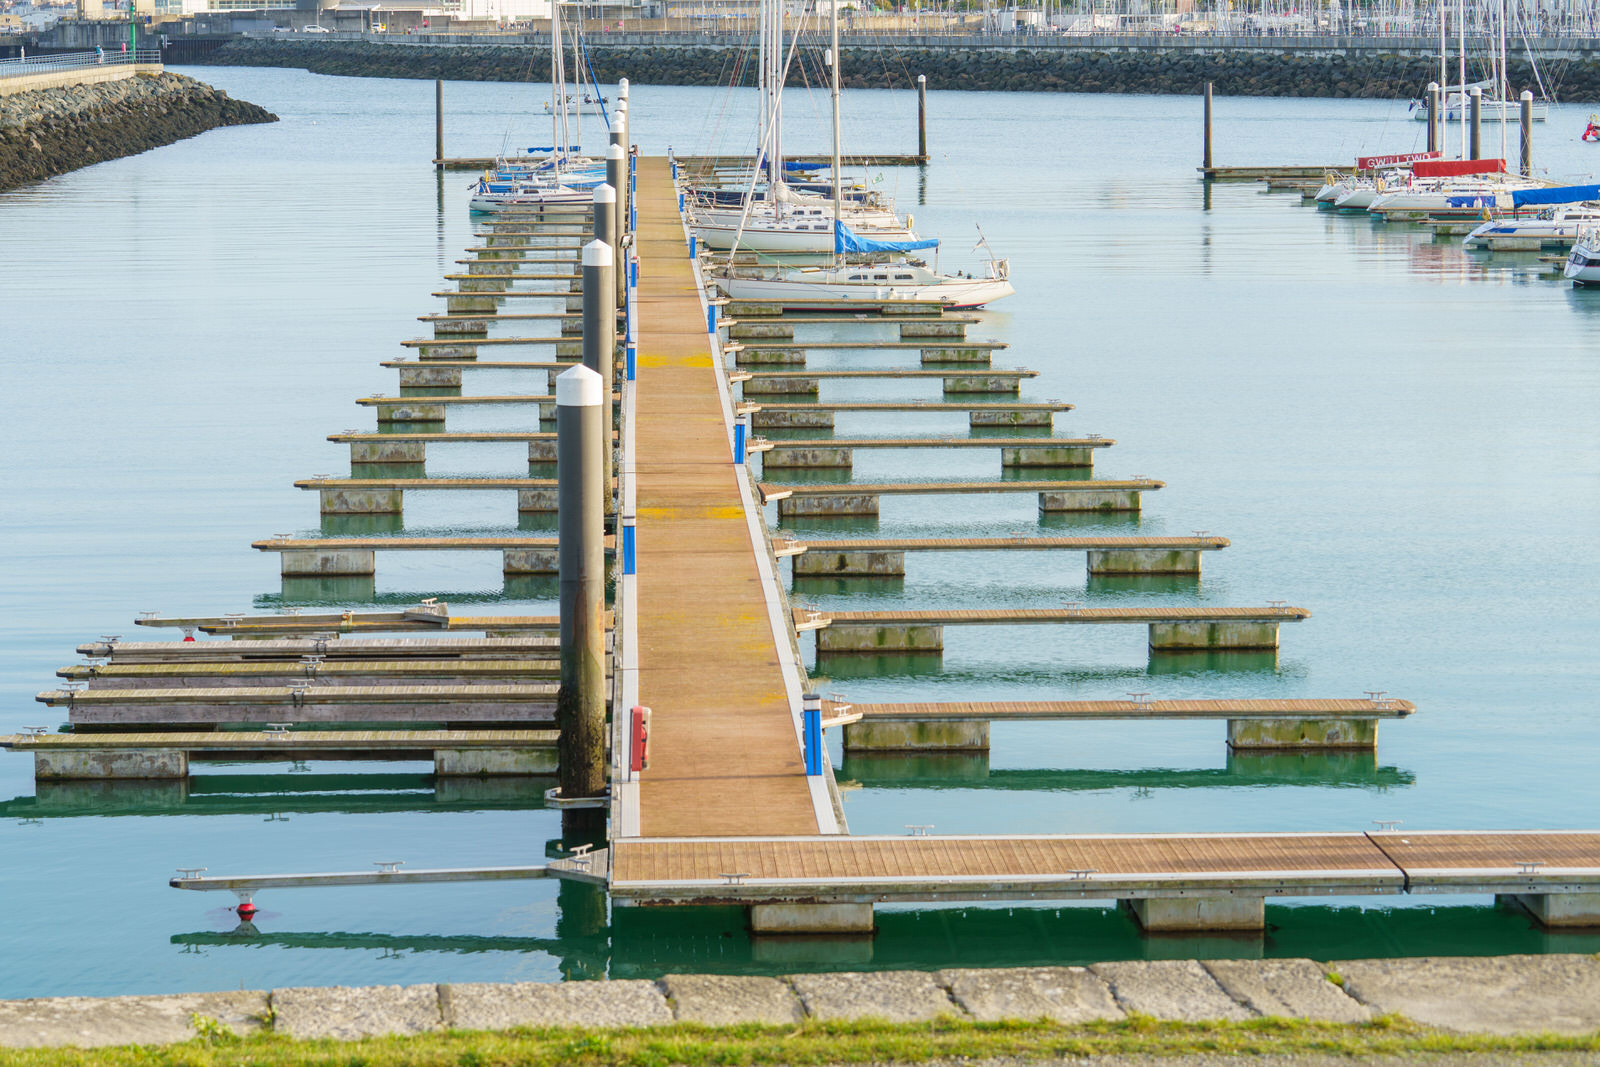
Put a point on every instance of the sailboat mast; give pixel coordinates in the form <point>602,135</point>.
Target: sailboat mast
<point>561,80</point>
<point>577,85</point>
<point>775,60</point>
<point>1504,88</point>
<point>1444,80</point>
<point>833,68</point>
<point>555,87</point>
<point>1461,55</point>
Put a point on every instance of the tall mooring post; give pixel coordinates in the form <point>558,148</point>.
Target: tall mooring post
<point>605,219</point>
<point>922,117</point>
<point>600,337</point>
<point>1206,160</point>
<point>1527,133</point>
<point>1434,144</point>
<point>581,700</point>
<point>624,107</point>
<point>1476,147</point>
<point>1436,98</point>
<point>438,122</point>
<point>617,178</point>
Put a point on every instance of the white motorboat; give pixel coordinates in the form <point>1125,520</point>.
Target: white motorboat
<point>1558,226</point>
<point>849,285</point>
<point>581,105</point>
<point>1583,266</point>
<point>486,199</point>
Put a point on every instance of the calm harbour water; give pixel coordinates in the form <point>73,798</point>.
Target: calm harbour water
<point>1394,433</point>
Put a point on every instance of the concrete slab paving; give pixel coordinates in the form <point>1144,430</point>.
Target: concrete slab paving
<point>1485,994</point>
<point>1291,989</point>
<point>727,999</point>
<point>896,996</point>
<point>1170,989</point>
<point>92,1022</point>
<point>347,1013</point>
<point>1064,994</point>
<point>486,1006</point>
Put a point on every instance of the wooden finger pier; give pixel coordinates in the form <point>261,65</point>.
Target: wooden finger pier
<point>715,784</point>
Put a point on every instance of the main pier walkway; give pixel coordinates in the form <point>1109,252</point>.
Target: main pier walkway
<point>725,756</point>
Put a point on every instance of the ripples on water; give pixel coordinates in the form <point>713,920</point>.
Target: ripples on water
<point>1396,434</point>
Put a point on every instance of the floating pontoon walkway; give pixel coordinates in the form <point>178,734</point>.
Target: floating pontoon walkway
<point>351,622</point>
<point>162,754</point>
<point>861,498</point>
<point>1106,555</point>
<point>1259,725</point>
<point>324,556</point>
<point>725,754</point>
<point>1171,629</point>
<point>284,672</point>
<point>329,649</point>
<point>535,702</point>
<point>1171,881</point>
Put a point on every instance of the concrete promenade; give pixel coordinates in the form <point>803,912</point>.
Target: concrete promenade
<point>1491,995</point>
<point>57,79</point>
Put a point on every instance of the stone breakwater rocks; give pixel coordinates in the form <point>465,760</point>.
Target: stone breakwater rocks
<point>53,131</point>
<point>1236,72</point>
<point>1491,994</point>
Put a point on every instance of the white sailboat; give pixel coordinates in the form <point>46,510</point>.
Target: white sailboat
<point>1491,106</point>
<point>569,180</point>
<point>843,284</point>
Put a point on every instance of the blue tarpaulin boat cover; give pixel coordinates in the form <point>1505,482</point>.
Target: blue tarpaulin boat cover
<point>795,164</point>
<point>847,240</point>
<point>1566,194</point>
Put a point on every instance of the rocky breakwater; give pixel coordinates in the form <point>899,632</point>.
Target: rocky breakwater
<point>1267,70</point>
<point>52,131</point>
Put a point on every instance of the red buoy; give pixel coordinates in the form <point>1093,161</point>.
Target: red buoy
<point>247,910</point>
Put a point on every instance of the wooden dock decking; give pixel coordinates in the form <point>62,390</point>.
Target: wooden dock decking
<point>529,702</point>
<point>724,751</point>
<point>1002,544</point>
<point>282,672</point>
<point>771,491</point>
<point>1030,710</point>
<point>1147,866</point>
<point>290,742</point>
<point>293,649</point>
<point>350,622</point>
<point>812,619</point>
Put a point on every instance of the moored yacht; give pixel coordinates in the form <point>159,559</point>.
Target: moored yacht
<point>1574,209</point>
<point>1583,266</point>
<point>845,286</point>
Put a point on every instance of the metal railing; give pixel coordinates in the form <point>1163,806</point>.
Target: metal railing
<point>17,68</point>
<point>726,34</point>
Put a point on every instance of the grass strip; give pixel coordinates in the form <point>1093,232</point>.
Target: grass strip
<point>801,1045</point>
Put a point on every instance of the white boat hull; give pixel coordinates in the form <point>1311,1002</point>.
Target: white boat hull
<point>1358,198</point>
<point>957,293</point>
<point>497,203</point>
<point>761,239</point>
<point>1583,266</point>
<point>1510,235</point>
<point>1493,111</point>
